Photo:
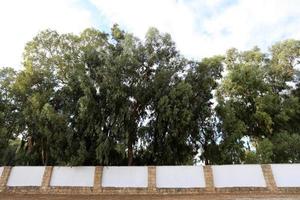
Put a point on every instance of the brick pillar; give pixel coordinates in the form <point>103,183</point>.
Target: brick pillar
<point>47,177</point>
<point>151,178</point>
<point>98,178</point>
<point>209,179</point>
<point>269,178</point>
<point>4,177</point>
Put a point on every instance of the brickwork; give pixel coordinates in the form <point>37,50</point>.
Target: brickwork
<point>47,177</point>
<point>97,190</point>
<point>4,177</point>
<point>152,178</point>
<point>269,178</point>
<point>70,190</point>
<point>147,197</point>
<point>98,178</point>
<point>209,179</point>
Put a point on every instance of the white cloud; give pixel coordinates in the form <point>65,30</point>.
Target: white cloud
<point>200,28</point>
<point>206,28</point>
<point>21,20</point>
<point>256,22</point>
<point>137,16</point>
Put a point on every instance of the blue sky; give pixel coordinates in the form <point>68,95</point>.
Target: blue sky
<point>200,28</point>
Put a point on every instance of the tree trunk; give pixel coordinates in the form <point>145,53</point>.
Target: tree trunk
<point>130,151</point>
<point>132,129</point>
<point>44,154</point>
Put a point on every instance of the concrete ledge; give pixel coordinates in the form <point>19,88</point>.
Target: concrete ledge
<point>200,191</point>
<point>149,197</point>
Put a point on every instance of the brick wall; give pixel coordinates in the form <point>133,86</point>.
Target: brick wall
<point>97,189</point>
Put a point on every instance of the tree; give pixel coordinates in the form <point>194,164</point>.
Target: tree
<point>98,98</point>
<point>8,117</point>
<point>257,94</point>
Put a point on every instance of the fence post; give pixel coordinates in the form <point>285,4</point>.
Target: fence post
<point>4,177</point>
<point>209,179</point>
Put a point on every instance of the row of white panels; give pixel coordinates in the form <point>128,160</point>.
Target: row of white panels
<point>285,175</point>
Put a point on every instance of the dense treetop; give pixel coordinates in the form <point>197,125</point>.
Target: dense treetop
<point>114,99</point>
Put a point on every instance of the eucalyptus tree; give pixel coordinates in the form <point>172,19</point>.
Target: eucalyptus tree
<point>254,98</point>
<point>8,117</point>
<point>98,98</point>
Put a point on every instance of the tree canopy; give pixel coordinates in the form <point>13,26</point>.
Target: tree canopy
<point>113,99</point>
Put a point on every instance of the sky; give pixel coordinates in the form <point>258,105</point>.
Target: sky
<point>200,28</point>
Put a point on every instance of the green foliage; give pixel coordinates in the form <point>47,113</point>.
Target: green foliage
<point>286,147</point>
<point>112,99</point>
<point>255,100</point>
<point>8,117</point>
<point>263,153</point>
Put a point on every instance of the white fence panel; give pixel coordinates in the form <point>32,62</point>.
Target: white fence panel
<point>286,175</point>
<point>125,177</point>
<point>238,176</point>
<point>180,177</point>
<point>73,176</point>
<point>26,176</point>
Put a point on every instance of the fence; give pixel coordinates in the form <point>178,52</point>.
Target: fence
<point>273,178</point>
